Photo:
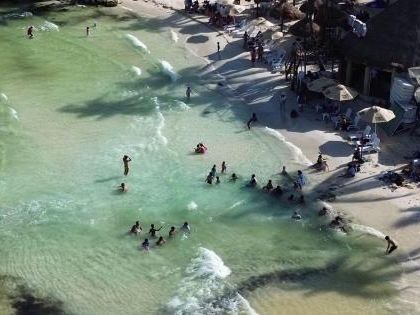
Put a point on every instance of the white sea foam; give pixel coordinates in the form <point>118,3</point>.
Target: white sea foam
<point>3,97</point>
<point>182,105</point>
<point>238,203</point>
<point>49,26</point>
<point>18,15</point>
<point>126,8</point>
<point>161,124</point>
<point>192,206</point>
<point>367,230</point>
<point>169,70</point>
<point>204,289</point>
<point>136,70</point>
<point>174,36</point>
<point>297,152</point>
<point>13,113</point>
<point>137,43</point>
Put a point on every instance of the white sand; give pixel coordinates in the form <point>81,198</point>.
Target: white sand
<point>364,199</point>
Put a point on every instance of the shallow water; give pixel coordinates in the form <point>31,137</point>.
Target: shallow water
<point>79,104</point>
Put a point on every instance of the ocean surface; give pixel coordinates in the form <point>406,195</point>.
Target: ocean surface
<point>71,106</point>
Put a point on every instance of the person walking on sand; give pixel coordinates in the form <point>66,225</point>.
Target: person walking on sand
<point>391,245</point>
<point>218,49</point>
<point>126,159</point>
<point>283,100</point>
<point>252,120</point>
<point>245,39</point>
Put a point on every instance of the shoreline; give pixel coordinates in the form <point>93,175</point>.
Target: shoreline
<point>363,199</point>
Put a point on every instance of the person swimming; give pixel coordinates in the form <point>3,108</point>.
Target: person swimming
<point>253,181</point>
<point>269,186</point>
<point>172,232</point>
<point>122,187</point>
<point>213,170</point>
<point>209,179</point>
<point>302,199</point>
<point>200,148</point>
<point>185,228</point>
<point>145,244</point>
<point>233,177</point>
<point>291,197</point>
<point>153,230</point>
<point>323,211</point>
<point>224,167</point>
<point>160,241</point>
<point>126,159</point>
<point>283,171</point>
<point>136,228</point>
<point>296,216</point>
<point>217,180</point>
<point>277,191</point>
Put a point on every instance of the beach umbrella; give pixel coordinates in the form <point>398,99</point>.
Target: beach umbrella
<point>339,93</point>
<point>237,9</point>
<point>376,115</point>
<point>320,84</point>
<point>277,35</point>
<point>262,22</point>
<point>303,28</point>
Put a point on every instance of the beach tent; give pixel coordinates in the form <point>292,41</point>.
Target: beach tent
<point>376,115</point>
<point>320,84</point>
<point>339,93</point>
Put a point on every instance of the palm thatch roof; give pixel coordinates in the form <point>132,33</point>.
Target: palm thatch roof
<point>392,39</point>
<point>303,27</point>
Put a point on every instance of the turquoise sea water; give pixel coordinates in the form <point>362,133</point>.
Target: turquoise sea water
<point>72,106</point>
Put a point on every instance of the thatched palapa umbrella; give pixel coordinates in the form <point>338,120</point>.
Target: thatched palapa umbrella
<point>376,115</point>
<point>340,93</point>
<point>304,28</point>
<point>289,12</point>
<point>320,84</point>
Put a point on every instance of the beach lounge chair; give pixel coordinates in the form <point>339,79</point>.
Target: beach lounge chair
<point>374,147</point>
<point>365,133</point>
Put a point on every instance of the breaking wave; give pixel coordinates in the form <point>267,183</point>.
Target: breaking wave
<point>205,291</point>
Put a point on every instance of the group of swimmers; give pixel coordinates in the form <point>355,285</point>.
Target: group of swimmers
<point>212,174</point>
<point>136,229</point>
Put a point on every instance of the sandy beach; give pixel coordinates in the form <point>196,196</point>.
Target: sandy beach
<point>364,199</point>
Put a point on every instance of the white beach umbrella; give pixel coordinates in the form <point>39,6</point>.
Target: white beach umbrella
<point>339,93</point>
<point>376,115</point>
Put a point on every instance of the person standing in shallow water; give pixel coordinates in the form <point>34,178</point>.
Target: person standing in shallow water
<point>188,92</point>
<point>87,30</point>
<point>252,120</point>
<point>30,32</point>
<point>224,167</point>
<point>391,245</point>
<point>126,159</point>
